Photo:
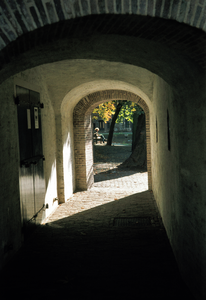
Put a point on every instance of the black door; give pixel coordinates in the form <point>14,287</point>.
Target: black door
<point>31,173</point>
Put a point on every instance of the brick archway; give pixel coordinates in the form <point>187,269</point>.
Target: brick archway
<point>40,32</point>
<point>19,17</point>
<point>83,133</point>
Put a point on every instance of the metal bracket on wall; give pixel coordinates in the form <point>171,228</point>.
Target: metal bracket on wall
<point>36,214</point>
<point>17,102</point>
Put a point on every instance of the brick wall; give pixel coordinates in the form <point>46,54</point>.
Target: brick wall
<point>83,133</point>
<point>19,17</point>
<point>27,25</point>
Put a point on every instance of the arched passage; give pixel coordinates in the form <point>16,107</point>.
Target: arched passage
<point>83,133</point>
<point>136,33</point>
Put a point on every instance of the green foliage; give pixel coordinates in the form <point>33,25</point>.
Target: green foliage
<point>106,110</point>
<point>127,111</point>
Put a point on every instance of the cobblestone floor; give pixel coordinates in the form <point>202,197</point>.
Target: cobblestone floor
<point>82,252</point>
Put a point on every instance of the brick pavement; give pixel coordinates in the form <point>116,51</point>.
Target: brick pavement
<point>82,252</point>
<point>110,185</point>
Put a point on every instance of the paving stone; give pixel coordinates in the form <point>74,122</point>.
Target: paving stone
<point>79,251</point>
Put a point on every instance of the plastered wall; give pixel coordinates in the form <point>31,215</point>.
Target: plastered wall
<point>10,221</point>
<point>178,173</point>
<point>59,93</point>
<point>66,156</point>
<point>178,177</point>
<point>10,206</point>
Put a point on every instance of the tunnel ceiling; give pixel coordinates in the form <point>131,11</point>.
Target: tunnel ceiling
<point>186,40</point>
